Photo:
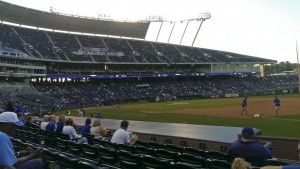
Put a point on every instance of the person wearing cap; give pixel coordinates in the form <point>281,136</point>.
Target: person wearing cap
<point>121,136</point>
<point>277,105</point>
<point>244,106</point>
<point>8,123</point>
<point>246,147</point>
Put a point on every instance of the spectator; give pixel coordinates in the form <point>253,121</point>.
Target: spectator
<point>87,126</point>
<point>10,107</point>
<point>8,159</point>
<point>61,123</point>
<point>121,136</point>
<point>97,130</point>
<point>51,125</point>
<point>18,108</point>
<point>248,148</point>
<point>29,122</point>
<point>239,163</point>
<point>45,122</point>
<point>70,130</point>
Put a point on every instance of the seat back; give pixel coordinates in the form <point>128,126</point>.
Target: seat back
<point>143,150</point>
<point>128,160</point>
<point>217,155</point>
<point>193,151</point>
<point>107,155</point>
<point>192,159</point>
<point>87,165</point>
<point>218,164</point>
<point>150,162</point>
<point>180,165</point>
<point>89,151</point>
<point>172,147</point>
<point>125,147</point>
<point>67,162</point>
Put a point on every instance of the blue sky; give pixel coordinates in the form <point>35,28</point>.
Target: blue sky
<point>262,28</point>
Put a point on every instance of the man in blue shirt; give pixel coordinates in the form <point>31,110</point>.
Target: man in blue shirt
<point>8,159</point>
<point>277,105</point>
<point>249,149</point>
<point>244,106</point>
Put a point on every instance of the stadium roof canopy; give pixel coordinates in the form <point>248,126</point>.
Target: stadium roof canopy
<point>31,17</point>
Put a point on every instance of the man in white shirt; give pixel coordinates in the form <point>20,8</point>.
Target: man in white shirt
<point>70,130</point>
<point>121,136</point>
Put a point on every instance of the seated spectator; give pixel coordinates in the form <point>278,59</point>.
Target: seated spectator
<point>97,130</point>
<point>60,124</point>
<point>70,130</point>
<point>51,125</point>
<point>239,163</point>
<point>10,107</point>
<point>29,122</point>
<point>8,159</point>
<point>121,136</point>
<point>87,126</point>
<point>246,147</point>
<point>45,122</point>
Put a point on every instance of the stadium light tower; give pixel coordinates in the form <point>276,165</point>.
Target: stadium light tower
<point>203,17</point>
<point>156,19</point>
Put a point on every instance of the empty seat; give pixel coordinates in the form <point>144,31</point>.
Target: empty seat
<point>192,150</point>
<point>107,156</point>
<point>49,157</point>
<point>192,159</point>
<point>143,150</point>
<point>172,147</point>
<point>87,165</point>
<point>67,161</point>
<point>89,151</point>
<point>125,147</point>
<point>218,164</point>
<point>165,154</point>
<point>128,160</point>
<point>180,165</point>
<point>152,162</point>
<point>217,155</point>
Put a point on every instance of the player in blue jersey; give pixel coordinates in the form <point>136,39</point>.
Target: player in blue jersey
<point>277,105</point>
<point>244,106</point>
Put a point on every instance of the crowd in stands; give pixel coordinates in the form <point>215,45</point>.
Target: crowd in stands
<point>49,97</point>
<point>102,92</point>
<point>70,47</point>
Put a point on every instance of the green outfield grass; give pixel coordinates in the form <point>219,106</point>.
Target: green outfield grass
<point>283,126</point>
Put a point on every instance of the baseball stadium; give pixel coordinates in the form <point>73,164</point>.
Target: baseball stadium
<point>185,105</point>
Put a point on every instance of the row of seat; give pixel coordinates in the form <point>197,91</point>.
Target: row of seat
<point>102,148</point>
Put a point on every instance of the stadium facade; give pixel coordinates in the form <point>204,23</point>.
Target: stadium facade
<point>49,49</point>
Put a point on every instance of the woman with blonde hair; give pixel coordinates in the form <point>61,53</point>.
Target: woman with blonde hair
<point>239,163</point>
<point>98,130</point>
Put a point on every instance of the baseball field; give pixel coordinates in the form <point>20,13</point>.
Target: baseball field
<point>216,112</point>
